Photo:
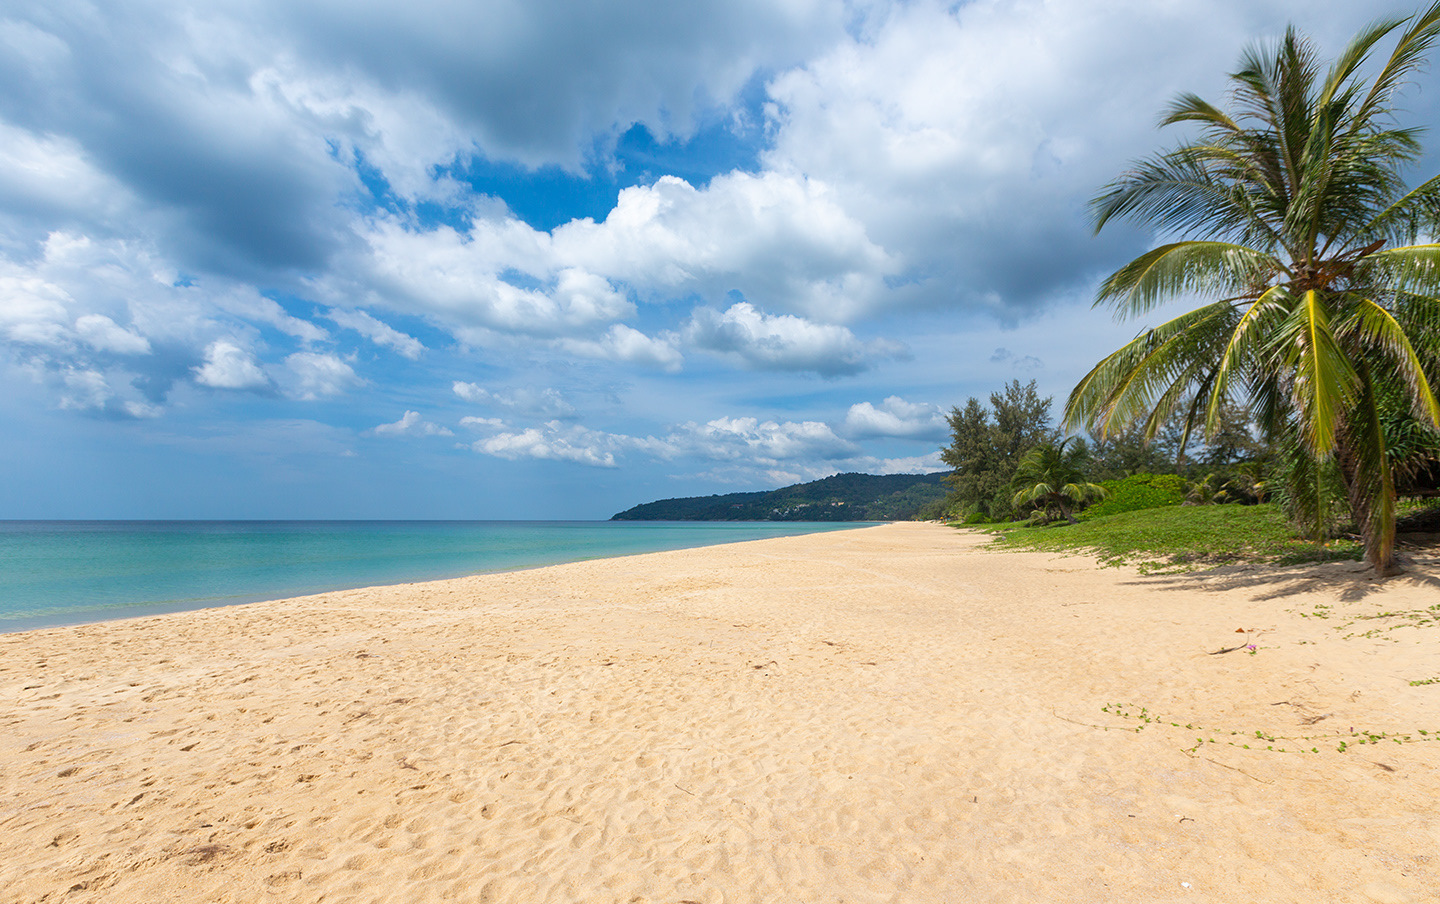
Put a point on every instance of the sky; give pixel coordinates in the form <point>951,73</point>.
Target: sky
<point>550,259</point>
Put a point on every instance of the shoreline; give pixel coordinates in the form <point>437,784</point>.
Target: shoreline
<point>206,583</point>
<point>883,714</point>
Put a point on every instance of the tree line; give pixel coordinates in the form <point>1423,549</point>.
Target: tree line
<point>1012,461</point>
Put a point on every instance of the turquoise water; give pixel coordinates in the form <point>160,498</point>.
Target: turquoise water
<point>73,572</point>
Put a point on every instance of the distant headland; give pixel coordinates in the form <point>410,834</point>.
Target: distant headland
<point>843,497</point>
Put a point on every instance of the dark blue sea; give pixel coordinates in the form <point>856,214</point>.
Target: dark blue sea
<point>74,572</point>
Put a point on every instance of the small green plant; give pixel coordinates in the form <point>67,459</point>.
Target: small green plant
<point>1296,743</point>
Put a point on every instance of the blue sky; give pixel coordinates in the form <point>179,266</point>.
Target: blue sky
<point>552,259</point>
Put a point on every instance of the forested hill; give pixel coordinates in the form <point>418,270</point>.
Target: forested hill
<point>844,497</point>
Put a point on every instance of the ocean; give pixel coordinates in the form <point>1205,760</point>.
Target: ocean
<point>76,572</point>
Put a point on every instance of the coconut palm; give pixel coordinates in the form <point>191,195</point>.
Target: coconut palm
<point>1052,478</point>
<point>1299,235</point>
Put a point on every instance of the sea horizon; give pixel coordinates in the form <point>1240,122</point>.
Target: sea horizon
<point>66,572</point>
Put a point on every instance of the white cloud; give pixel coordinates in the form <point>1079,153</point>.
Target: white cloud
<point>774,236</point>
<point>746,440</point>
<point>456,279</point>
<point>85,389</point>
<point>624,344</point>
<point>411,424</point>
<point>535,443</point>
<point>896,417</point>
<point>759,442</point>
<point>228,366</point>
<point>784,342</point>
<point>308,376</point>
<point>915,464</point>
<point>106,335</point>
<point>245,303</point>
<point>377,331</point>
<point>556,441</point>
<point>49,176</point>
<point>33,310</point>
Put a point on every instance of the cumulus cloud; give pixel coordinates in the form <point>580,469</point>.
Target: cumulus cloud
<point>121,309</point>
<point>896,417</point>
<point>377,332</point>
<point>914,464</point>
<point>778,236</point>
<point>749,442</point>
<point>228,366</point>
<point>759,442</point>
<point>556,441</point>
<point>784,342</point>
<point>106,335</point>
<point>47,177</point>
<point>411,424</point>
<point>109,393</point>
<point>85,389</point>
<point>310,375</point>
<point>459,279</point>
<point>622,343</point>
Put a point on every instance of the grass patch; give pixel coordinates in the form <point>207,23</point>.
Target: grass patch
<point>1182,538</point>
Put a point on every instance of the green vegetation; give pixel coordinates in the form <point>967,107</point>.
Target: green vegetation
<point>1322,313</point>
<point>844,497</point>
<point>986,447</point>
<point>1181,538</point>
<point>1137,493</point>
<point>1051,478</point>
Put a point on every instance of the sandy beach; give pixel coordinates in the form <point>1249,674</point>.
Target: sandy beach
<point>890,714</point>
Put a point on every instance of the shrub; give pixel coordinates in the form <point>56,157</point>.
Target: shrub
<point>1136,492</point>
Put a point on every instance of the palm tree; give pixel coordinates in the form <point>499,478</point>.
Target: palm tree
<point>1318,304</point>
<point>1052,477</point>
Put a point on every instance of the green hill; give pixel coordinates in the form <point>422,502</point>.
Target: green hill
<point>844,497</point>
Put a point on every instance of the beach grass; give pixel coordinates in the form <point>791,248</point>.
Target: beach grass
<point>1182,538</point>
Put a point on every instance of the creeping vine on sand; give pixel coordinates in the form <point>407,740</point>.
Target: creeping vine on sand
<point>1295,743</point>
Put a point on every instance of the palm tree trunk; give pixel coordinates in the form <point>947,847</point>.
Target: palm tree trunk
<point>1065,510</point>
<point>1369,484</point>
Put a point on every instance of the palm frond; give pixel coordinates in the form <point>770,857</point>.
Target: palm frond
<point>1416,210</point>
<point>1205,268</point>
<point>1325,383</point>
<point>1409,53</point>
<point>1377,328</point>
<point>1246,340</point>
<point>1413,269</point>
<point>1126,384</point>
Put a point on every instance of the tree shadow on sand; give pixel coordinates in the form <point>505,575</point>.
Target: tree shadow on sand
<point>1418,556</point>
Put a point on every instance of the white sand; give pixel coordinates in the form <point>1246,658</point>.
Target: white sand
<point>886,714</point>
